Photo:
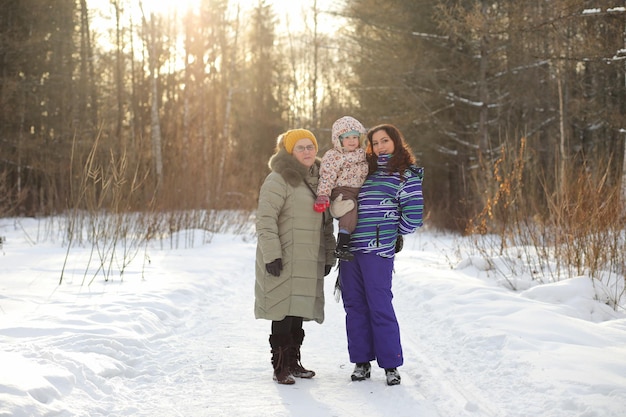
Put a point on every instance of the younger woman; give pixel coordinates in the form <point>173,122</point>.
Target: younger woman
<point>390,204</point>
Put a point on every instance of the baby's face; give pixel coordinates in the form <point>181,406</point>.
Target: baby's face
<point>351,142</point>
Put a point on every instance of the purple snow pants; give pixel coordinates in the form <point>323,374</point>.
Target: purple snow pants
<point>371,324</point>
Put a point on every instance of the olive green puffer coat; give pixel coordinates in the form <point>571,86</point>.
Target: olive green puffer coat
<point>288,228</point>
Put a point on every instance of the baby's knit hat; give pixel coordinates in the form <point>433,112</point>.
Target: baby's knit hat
<point>292,136</point>
<point>350,133</point>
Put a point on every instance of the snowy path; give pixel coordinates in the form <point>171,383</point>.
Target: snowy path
<point>221,355</point>
<point>184,342</point>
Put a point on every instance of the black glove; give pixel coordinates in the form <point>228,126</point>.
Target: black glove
<point>275,267</point>
<point>399,243</point>
<point>327,269</point>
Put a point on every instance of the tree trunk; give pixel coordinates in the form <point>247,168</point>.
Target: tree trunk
<point>119,82</point>
<point>483,91</point>
<point>622,104</point>
<point>155,124</point>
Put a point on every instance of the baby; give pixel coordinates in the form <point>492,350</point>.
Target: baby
<point>342,173</point>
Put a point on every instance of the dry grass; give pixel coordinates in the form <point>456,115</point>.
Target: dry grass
<point>101,215</point>
<point>582,232</point>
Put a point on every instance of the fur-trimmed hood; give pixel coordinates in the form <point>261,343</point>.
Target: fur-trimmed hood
<point>289,168</point>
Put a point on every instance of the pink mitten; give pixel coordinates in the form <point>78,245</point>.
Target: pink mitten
<point>321,203</point>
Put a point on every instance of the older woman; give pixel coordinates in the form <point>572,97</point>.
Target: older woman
<point>294,251</point>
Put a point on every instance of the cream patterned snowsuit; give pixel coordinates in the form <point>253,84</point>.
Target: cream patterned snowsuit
<point>342,171</point>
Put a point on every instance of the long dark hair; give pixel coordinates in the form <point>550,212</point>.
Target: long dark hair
<point>402,158</point>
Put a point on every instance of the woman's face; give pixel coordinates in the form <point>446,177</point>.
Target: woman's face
<point>382,144</point>
<point>304,151</point>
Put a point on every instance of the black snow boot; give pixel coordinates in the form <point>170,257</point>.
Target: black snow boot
<point>393,376</point>
<point>361,371</point>
<point>342,250</point>
<point>281,353</point>
<point>295,366</point>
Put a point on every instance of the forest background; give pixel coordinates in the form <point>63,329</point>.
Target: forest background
<point>516,109</point>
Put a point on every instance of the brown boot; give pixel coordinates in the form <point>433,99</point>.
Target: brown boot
<point>281,352</point>
<point>295,366</point>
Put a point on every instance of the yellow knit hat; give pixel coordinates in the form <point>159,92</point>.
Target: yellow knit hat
<point>292,136</point>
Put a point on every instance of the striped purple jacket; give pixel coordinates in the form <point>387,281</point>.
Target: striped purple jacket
<point>387,206</point>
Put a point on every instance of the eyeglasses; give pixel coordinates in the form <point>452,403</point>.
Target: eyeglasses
<point>300,148</point>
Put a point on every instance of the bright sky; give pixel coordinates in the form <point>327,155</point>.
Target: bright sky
<point>104,14</point>
<point>281,7</point>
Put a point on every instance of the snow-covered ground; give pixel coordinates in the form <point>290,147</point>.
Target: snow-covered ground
<point>176,336</point>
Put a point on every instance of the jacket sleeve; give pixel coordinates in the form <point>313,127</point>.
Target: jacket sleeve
<point>329,171</point>
<point>271,200</point>
<point>411,202</point>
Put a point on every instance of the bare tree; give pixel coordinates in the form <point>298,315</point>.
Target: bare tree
<point>151,36</point>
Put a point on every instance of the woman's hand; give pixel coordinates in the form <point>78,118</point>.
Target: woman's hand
<point>275,267</point>
<point>399,243</point>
